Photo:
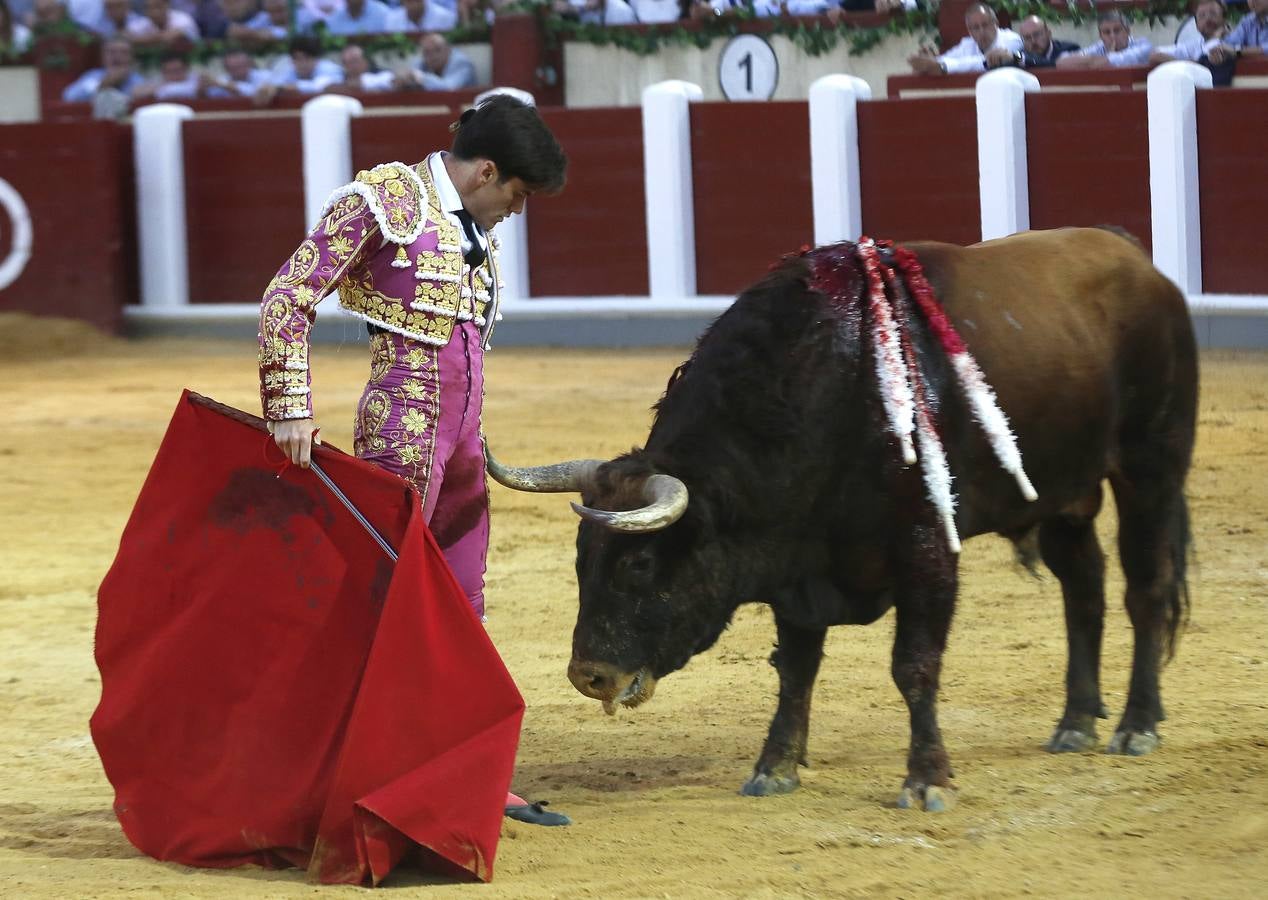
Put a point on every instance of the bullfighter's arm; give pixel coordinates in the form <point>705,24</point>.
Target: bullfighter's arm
<point>345,235</point>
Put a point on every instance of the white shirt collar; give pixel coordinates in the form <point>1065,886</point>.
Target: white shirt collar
<point>450,201</point>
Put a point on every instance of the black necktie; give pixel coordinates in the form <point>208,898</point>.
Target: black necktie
<point>476,254</point>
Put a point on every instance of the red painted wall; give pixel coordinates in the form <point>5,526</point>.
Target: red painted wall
<point>592,238</point>
<point>918,169</point>
<point>751,185</point>
<point>244,201</point>
<point>74,179</point>
<point>1233,183</point>
<point>1089,160</point>
<point>399,138</point>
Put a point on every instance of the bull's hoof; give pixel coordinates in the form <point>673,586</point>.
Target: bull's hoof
<point>1070,740</point>
<point>764,784</point>
<point>929,797</point>
<point>1133,743</point>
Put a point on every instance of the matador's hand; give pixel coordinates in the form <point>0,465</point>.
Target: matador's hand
<point>296,438</point>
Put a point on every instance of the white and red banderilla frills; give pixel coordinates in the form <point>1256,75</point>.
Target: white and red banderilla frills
<point>901,384</point>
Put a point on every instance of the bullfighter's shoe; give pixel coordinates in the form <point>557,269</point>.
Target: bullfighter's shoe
<point>521,810</point>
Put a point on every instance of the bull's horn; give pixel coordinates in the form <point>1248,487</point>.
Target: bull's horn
<point>559,478</point>
<point>666,502</point>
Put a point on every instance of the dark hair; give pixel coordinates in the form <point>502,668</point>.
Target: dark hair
<point>513,136</point>
<point>1113,15</point>
<point>302,43</point>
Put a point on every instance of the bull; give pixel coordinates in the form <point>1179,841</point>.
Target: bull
<point>773,474</point>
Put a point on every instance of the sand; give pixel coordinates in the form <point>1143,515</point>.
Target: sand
<point>653,790</point>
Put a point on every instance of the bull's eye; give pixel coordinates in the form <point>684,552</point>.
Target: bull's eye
<point>639,566</point>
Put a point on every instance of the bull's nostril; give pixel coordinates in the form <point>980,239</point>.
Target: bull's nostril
<point>599,683</point>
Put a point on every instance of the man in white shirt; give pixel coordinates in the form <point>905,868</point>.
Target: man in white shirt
<point>358,74</point>
<point>162,25</point>
<point>1116,47</point>
<point>421,15</point>
<point>444,68</point>
<point>969,55</point>
<point>1211,25</point>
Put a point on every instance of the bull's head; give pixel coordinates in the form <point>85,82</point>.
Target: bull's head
<point>648,586</point>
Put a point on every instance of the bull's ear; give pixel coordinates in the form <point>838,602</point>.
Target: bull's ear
<point>557,478</point>
<point>666,498</point>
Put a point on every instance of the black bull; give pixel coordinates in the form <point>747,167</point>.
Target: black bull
<point>800,499</point>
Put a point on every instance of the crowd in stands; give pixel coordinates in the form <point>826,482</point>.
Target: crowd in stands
<point>1207,40</point>
<point>168,29</point>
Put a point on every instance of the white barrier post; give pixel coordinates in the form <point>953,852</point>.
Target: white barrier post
<point>1173,171</point>
<point>158,155</point>
<point>326,130</point>
<point>671,225</point>
<point>834,157</point>
<point>1003,174</point>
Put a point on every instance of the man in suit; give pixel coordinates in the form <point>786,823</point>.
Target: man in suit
<point>1038,48</point>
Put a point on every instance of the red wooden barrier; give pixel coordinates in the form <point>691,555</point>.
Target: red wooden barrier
<point>1088,158</point>
<point>72,181</point>
<point>751,174</point>
<point>399,138</point>
<point>1232,179</point>
<point>592,238</point>
<point>1126,78</point>
<point>244,201</point>
<point>918,169</point>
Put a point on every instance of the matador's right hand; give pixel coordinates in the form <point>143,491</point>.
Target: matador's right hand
<point>296,438</point>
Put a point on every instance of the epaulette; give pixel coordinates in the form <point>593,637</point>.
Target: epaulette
<point>396,197</point>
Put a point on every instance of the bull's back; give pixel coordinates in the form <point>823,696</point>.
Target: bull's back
<point>1078,334</point>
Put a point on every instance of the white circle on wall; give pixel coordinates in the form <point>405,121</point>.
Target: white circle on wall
<point>748,69</point>
<point>20,251</point>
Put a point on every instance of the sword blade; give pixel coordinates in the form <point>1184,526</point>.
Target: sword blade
<point>356,513</point>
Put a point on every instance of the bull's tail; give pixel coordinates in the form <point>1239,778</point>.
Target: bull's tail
<point>1179,545</point>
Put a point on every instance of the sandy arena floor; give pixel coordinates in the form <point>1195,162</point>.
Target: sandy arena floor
<point>653,791</point>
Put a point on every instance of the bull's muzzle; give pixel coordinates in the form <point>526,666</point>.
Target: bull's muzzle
<point>612,686</point>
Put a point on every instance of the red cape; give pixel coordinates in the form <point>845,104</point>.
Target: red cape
<point>274,689</point>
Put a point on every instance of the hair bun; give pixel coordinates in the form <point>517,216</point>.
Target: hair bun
<point>462,120</point>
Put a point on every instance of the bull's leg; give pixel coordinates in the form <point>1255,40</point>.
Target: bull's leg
<point>796,659</point>
<point>925,605</point>
<point>1070,549</point>
<point>1152,541</point>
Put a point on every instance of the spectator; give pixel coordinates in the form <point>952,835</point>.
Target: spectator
<point>51,17</point>
<point>304,72</point>
<point>272,23</point>
<point>473,12</point>
<point>109,89</point>
<point>242,78</point>
<point>161,25</point>
<point>1211,26</point>
<point>1116,47</point>
<point>230,21</point>
<point>1038,48</point>
<point>656,11</point>
<point>421,15</point>
<point>116,19</point>
<point>597,12</point>
<point>969,55</point>
<point>176,81</point>
<point>359,17</point>
<point>360,75</point>
<point>320,10</point>
<point>15,37</point>
<point>443,69</point>
<point>1249,38</point>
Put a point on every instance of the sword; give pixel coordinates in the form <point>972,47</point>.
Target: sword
<point>356,513</point>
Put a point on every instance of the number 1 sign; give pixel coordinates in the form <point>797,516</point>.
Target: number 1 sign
<point>748,69</point>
